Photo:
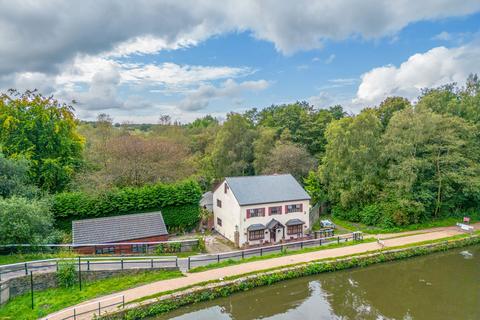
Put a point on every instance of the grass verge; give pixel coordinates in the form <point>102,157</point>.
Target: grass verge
<point>55,299</point>
<point>231,262</point>
<point>357,226</point>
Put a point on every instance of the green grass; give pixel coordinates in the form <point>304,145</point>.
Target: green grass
<point>51,300</point>
<point>231,262</point>
<point>25,257</point>
<point>357,226</point>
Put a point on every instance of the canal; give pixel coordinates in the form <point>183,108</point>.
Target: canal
<point>438,286</point>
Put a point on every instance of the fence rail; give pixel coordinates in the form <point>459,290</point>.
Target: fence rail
<point>201,260</point>
<point>94,308</point>
<point>88,264</point>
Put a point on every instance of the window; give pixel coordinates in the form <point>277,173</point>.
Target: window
<point>275,210</point>
<point>294,229</point>
<point>139,248</point>
<point>105,250</point>
<point>219,203</point>
<point>219,222</point>
<point>294,208</point>
<point>226,188</point>
<point>256,235</point>
<point>258,212</point>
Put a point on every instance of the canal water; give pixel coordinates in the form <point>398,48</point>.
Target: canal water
<point>438,286</point>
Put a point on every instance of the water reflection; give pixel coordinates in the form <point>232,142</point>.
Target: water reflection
<point>440,286</point>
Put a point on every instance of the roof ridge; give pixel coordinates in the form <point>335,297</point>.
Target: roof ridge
<point>121,216</point>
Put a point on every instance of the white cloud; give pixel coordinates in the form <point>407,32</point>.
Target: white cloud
<point>200,98</point>
<point>433,68</point>
<point>330,59</point>
<point>57,31</point>
<point>443,36</point>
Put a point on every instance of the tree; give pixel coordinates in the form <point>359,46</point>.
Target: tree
<point>25,221</point>
<point>262,147</point>
<point>389,106</point>
<point>433,161</point>
<point>14,178</point>
<point>233,150</point>
<point>350,169</point>
<point>289,158</point>
<point>43,131</point>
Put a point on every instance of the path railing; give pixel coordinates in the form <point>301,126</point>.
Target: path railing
<point>88,264</point>
<point>202,260</point>
<point>94,308</point>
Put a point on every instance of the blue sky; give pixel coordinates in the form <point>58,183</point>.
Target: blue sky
<point>188,59</point>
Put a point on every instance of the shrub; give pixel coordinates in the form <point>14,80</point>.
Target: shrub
<point>178,202</point>
<point>371,214</point>
<point>66,274</point>
<point>25,221</point>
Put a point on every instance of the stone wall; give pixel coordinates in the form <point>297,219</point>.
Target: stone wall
<point>42,281</point>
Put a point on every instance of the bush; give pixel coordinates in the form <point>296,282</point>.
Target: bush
<point>66,274</point>
<point>25,221</point>
<point>178,202</point>
<point>371,214</point>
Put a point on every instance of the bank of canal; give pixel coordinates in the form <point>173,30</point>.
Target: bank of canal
<point>444,285</point>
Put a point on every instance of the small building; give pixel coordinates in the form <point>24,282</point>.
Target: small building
<point>206,202</point>
<point>261,209</point>
<point>99,235</point>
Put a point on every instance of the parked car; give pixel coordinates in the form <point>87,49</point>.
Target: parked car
<point>327,224</point>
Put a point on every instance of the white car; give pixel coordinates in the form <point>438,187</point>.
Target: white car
<point>327,224</point>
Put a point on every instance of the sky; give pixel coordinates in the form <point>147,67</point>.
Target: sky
<point>138,60</point>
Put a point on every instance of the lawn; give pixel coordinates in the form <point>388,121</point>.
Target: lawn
<point>357,226</point>
<point>55,299</point>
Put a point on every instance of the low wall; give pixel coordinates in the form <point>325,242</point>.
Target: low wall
<point>176,300</point>
<point>42,281</point>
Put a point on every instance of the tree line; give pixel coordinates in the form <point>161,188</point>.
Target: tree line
<point>392,164</point>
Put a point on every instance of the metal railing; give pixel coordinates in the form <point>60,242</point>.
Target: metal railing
<point>202,260</point>
<point>94,308</point>
<point>88,264</point>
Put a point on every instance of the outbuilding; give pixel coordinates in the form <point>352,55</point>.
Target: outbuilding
<point>113,235</point>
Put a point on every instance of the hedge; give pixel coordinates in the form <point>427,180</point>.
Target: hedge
<point>223,290</point>
<point>178,202</point>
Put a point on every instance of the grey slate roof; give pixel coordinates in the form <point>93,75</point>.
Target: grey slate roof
<point>255,227</point>
<point>266,189</point>
<point>118,228</point>
<point>294,222</point>
<point>272,223</point>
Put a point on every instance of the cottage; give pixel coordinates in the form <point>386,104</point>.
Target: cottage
<point>99,235</point>
<point>261,209</point>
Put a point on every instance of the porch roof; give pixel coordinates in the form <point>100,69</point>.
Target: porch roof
<point>294,222</point>
<point>273,223</point>
<point>256,227</point>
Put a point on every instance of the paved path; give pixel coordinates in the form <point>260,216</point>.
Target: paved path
<point>215,274</point>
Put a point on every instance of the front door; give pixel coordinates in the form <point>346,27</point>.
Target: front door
<point>273,235</point>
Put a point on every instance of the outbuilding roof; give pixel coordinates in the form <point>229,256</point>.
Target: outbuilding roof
<point>266,189</point>
<point>118,228</point>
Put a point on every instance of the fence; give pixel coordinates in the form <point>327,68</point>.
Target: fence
<point>106,248</point>
<point>202,260</point>
<point>88,264</point>
<point>94,308</point>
